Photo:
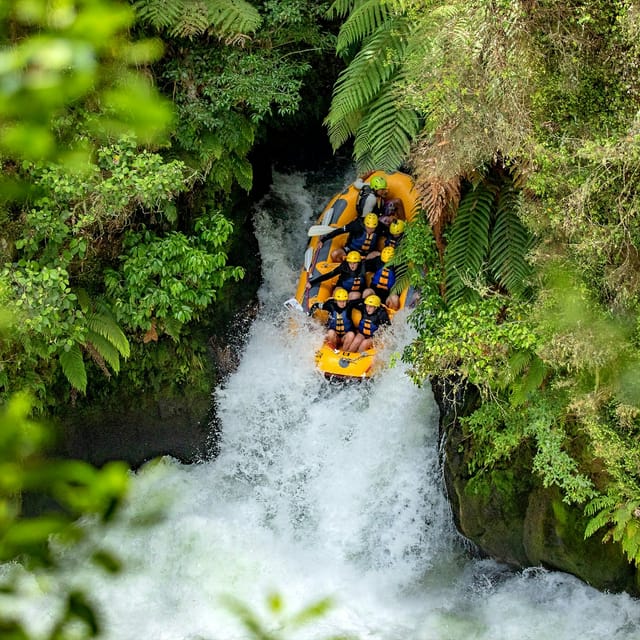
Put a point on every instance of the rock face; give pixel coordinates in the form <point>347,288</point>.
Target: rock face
<point>139,431</point>
<point>512,518</point>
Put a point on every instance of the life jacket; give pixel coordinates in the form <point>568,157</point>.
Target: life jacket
<point>340,320</point>
<point>362,196</point>
<point>369,324</point>
<point>393,241</point>
<point>384,278</point>
<point>352,280</point>
<point>361,241</point>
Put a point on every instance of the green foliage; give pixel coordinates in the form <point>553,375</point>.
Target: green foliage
<point>487,244</point>
<point>230,19</point>
<point>57,66</point>
<point>498,431</point>
<point>367,100</point>
<point>166,281</point>
<point>621,518</point>
<point>77,488</point>
<point>222,95</point>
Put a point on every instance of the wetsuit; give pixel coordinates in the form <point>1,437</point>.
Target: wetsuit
<point>359,239</point>
<point>370,323</point>
<point>351,280</point>
<point>339,318</point>
<point>384,277</point>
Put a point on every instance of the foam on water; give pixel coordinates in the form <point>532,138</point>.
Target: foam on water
<point>322,491</point>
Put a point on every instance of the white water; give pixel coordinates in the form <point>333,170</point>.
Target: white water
<point>322,491</point>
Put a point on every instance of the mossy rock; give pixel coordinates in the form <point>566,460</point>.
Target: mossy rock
<point>554,538</point>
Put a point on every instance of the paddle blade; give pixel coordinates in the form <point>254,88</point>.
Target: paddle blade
<point>319,230</point>
<point>308,258</point>
<point>293,305</point>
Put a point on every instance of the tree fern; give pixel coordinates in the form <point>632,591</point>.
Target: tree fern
<point>468,247</point>
<point>510,242</point>
<point>103,350</point>
<point>384,136</point>
<point>73,367</point>
<point>189,18</point>
<point>364,20</point>
<point>103,324</point>
<point>365,100</point>
<point>363,79</point>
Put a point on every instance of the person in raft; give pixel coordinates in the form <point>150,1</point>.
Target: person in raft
<point>394,233</point>
<point>371,198</point>
<point>340,328</point>
<point>374,316</point>
<point>383,279</point>
<point>363,237</point>
<point>351,275</point>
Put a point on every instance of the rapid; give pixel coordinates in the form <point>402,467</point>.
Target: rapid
<point>319,491</point>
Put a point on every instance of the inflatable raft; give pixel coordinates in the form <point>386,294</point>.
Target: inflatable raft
<point>341,209</point>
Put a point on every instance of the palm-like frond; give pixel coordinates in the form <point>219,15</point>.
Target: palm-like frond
<point>73,367</point>
<point>189,18</point>
<point>103,349</point>
<point>510,242</point>
<point>104,325</point>
<point>384,136</point>
<point>340,8</point>
<point>468,247</point>
<point>365,19</point>
<point>364,78</point>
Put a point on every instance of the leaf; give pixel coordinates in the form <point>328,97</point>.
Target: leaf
<point>510,242</point>
<point>73,367</point>
<point>469,244</point>
<point>104,325</point>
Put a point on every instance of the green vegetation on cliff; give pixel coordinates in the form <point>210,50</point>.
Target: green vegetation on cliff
<point>527,157</point>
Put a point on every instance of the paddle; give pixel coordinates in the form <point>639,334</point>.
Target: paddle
<point>293,305</point>
<point>320,230</point>
<point>308,258</point>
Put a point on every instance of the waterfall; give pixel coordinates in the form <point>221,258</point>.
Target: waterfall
<point>319,491</point>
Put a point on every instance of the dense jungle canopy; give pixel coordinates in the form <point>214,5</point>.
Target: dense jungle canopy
<point>130,133</point>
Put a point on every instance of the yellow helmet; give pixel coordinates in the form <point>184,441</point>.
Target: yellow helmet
<point>372,301</point>
<point>353,256</point>
<point>340,294</point>
<point>371,221</point>
<point>397,227</point>
<point>387,253</point>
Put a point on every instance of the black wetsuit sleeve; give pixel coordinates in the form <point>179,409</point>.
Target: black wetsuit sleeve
<point>324,276</point>
<point>336,232</point>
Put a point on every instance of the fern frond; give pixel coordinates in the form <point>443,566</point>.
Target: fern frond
<point>189,18</point>
<point>104,325</point>
<point>340,8</point>
<point>372,67</point>
<point>469,244</point>
<point>600,503</point>
<point>529,381</point>
<point>439,198</point>
<point>510,242</point>
<point>193,22</point>
<point>73,367</point>
<point>385,133</point>
<point>104,349</point>
<point>365,18</point>
<point>159,13</point>
<point>233,16</point>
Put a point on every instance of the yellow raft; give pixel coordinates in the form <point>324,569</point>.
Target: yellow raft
<point>340,210</point>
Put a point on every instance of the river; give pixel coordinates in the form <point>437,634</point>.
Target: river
<point>320,491</point>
